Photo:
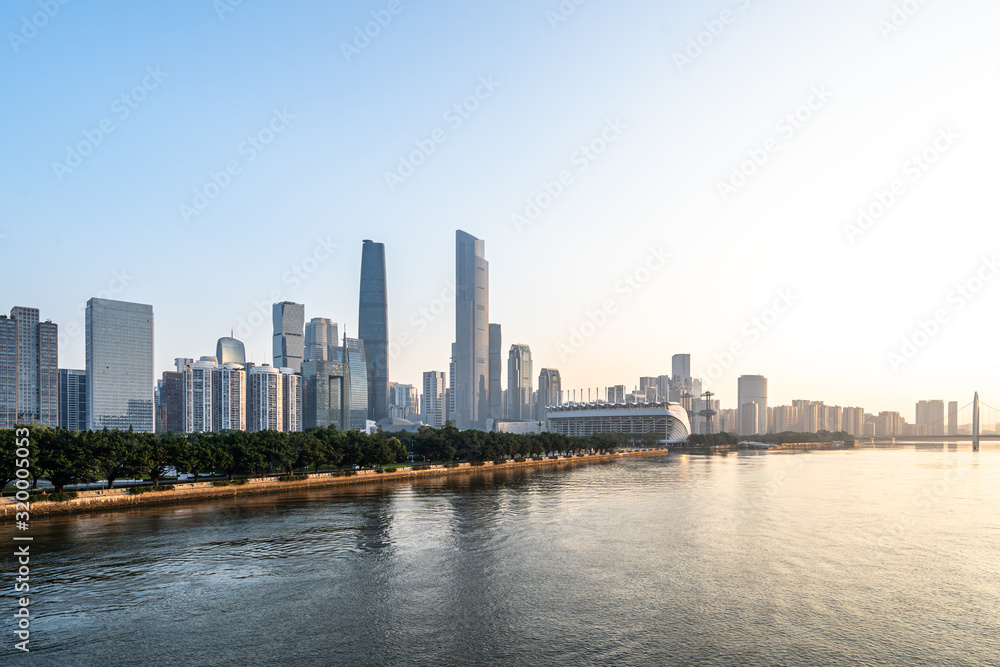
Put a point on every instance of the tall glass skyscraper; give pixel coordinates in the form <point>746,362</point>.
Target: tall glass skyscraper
<point>549,394</point>
<point>119,365</point>
<point>335,392</point>
<point>321,335</point>
<point>373,327</point>
<point>519,381</point>
<point>288,344</point>
<point>230,351</point>
<point>496,370</point>
<point>472,344</point>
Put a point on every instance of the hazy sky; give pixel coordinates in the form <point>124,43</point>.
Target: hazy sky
<point>713,158</point>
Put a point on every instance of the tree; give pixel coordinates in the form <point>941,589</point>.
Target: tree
<point>193,456</point>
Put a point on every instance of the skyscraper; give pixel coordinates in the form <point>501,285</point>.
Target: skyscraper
<point>230,351</point>
<point>373,327</point>
<point>335,392</point>
<point>291,400</point>
<point>196,380</point>
<point>495,370</point>
<point>930,418</point>
<point>170,413</point>
<point>72,399</point>
<point>33,377</point>
<point>403,402</point>
<point>752,393</point>
<point>549,393</point>
<point>229,398</point>
<point>264,399</point>
<point>288,345</point>
<point>519,380</point>
<point>681,367</point>
<point>952,417</point>
<point>119,340</point>
<point>434,397</point>
<point>321,335</point>
<point>472,315</point>
<point>8,372</point>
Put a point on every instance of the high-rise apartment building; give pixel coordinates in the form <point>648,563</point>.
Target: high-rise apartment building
<point>952,417</point>
<point>291,400</point>
<point>264,399</point>
<point>8,372</point>
<point>170,411</point>
<point>495,370</point>
<point>853,421</point>
<point>119,342</point>
<point>433,407</point>
<point>888,423</point>
<point>930,419</point>
<point>752,389</point>
<point>615,394</point>
<point>72,399</point>
<point>520,378</point>
<point>197,394</point>
<point>404,401</point>
<point>472,313</point>
<point>373,327</point>
<point>288,344</point>
<point>229,398</point>
<point>321,335</point>
<point>29,369</point>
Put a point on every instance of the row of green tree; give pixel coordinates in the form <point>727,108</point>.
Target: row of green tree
<point>71,457</point>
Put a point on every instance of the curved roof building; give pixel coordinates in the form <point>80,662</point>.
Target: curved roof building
<point>230,351</point>
<point>667,420</point>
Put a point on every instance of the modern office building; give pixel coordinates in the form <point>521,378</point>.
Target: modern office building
<point>288,345</point>
<point>681,367</point>
<point>291,400</point>
<point>321,335</point>
<point>264,399</point>
<point>668,420</point>
<point>930,419</point>
<point>615,394</point>
<point>229,398</point>
<point>549,394</point>
<point>434,407</point>
<point>520,378</point>
<point>119,353</point>
<point>230,351</point>
<point>472,316</point>
<point>335,392</point>
<point>8,372</point>
<point>72,399</point>
<point>449,414</point>
<point>649,388</point>
<point>196,381</point>
<point>497,411</point>
<point>752,389</point>
<point>373,327</point>
<point>404,402</point>
<point>952,417</point>
<point>170,411</point>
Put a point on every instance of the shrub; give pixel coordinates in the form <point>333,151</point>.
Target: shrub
<point>59,497</point>
<point>350,473</point>
<point>137,490</point>
<point>520,459</point>
<point>241,481</point>
<point>293,478</point>
<point>380,470</point>
<point>477,463</point>
<point>221,482</point>
<point>421,468</point>
<point>165,487</point>
<point>499,462</point>
<point>537,458</point>
<point>450,465</point>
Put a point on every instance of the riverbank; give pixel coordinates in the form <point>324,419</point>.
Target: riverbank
<point>186,492</point>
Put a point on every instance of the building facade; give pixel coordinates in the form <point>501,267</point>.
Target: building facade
<point>196,381</point>
<point>434,407</point>
<point>230,351</point>
<point>472,313</point>
<point>288,344</point>
<point>229,398</point>
<point>72,399</point>
<point>264,399</point>
<point>549,394</point>
<point>520,378</point>
<point>669,421</point>
<point>321,335</point>
<point>497,411</point>
<point>752,389</point>
<point>373,327</point>
<point>119,353</point>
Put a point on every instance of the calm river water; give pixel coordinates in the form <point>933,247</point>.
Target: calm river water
<point>860,557</point>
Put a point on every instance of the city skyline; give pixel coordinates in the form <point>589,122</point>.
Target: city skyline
<point>669,136</point>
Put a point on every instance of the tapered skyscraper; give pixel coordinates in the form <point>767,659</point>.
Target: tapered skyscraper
<point>373,327</point>
<point>289,328</point>
<point>472,336</point>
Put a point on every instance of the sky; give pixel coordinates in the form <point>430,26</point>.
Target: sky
<point>805,191</point>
